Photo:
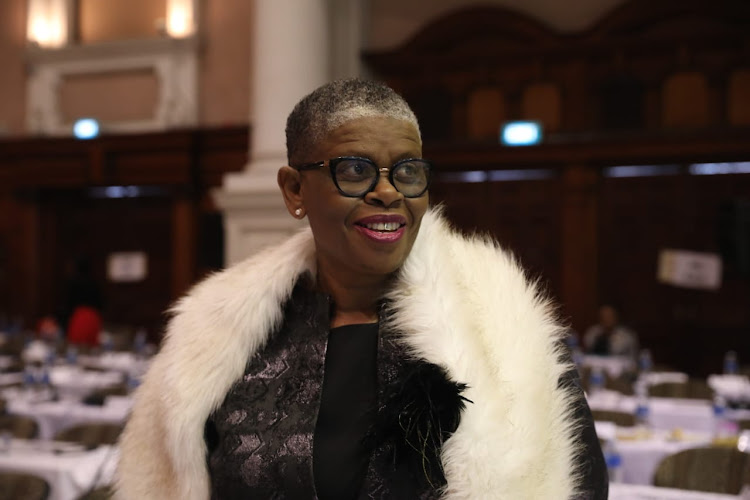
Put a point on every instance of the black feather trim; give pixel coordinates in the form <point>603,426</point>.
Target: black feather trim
<point>420,410</point>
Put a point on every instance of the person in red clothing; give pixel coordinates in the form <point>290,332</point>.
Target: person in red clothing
<point>84,326</point>
<point>83,306</point>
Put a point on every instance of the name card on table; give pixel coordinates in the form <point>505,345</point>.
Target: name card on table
<point>688,269</point>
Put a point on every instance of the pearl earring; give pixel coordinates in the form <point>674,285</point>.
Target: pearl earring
<point>298,212</point>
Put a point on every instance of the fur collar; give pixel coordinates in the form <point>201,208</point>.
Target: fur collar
<point>461,303</point>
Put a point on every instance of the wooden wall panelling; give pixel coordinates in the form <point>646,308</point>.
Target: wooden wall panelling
<point>737,104</point>
<point>579,252</point>
<point>52,209</point>
<point>639,217</point>
<point>225,150</point>
<point>97,228</point>
<point>689,329</point>
<point>19,225</point>
<point>184,245</point>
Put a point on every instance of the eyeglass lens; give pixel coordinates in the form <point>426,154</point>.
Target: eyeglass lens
<point>357,176</point>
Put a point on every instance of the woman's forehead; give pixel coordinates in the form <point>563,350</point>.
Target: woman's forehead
<point>372,132</point>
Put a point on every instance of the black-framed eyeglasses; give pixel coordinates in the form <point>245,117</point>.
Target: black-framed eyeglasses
<point>354,176</point>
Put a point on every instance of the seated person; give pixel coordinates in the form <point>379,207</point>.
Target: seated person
<point>609,337</point>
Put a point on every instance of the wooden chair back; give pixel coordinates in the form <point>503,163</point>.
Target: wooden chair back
<point>19,426</point>
<point>91,435</point>
<point>618,417</point>
<point>714,469</point>
<point>26,486</point>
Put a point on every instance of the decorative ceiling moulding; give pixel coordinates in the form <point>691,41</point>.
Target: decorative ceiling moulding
<point>52,55</point>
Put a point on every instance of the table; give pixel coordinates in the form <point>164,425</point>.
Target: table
<point>55,416</point>
<point>6,361</point>
<point>642,450</point>
<point>11,378</point>
<point>72,382</point>
<point>614,366</point>
<point>666,413</point>
<point>619,491</point>
<point>124,362</point>
<point>70,471</point>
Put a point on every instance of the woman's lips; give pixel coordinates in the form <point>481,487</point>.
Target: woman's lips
<point>382,228</point>
<point>381,236</point>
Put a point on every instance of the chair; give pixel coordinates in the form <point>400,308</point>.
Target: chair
<point>621,384</point>
<point>618,417</point>
<point>99,396</point>
<point>91,435</point>
<point>103,493</point>
<point>19,426</point>
<point>25,486</point>
<point>714,469</point>
<point>692,389</point>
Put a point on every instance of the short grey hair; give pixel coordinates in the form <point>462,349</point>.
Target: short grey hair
<point>336,103</point>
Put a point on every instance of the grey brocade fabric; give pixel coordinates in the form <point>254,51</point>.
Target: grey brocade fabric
<point>260,439</point>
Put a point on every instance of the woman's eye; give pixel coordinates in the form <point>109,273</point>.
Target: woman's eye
<point>353,170</point>
<point>409,172</point>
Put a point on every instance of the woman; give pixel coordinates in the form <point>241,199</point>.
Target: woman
<point>376,355</point>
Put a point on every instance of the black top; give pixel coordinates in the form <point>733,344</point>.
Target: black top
<point>340,457</point>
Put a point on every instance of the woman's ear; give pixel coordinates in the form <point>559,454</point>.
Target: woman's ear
<point>291,188</point>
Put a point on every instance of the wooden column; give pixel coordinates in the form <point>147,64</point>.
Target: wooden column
<point>579,248</point>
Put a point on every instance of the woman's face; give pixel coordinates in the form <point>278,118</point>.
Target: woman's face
<point>350,238</point>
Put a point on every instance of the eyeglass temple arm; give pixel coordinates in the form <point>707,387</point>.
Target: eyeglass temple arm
<point>310,166</point>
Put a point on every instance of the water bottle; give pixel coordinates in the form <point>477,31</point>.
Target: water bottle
<point>106,341</point>
<point>642,408</point>
<point>132,382</point>
<point>731,366</point>
<point>29,380</point>
<point>45,383</point>
<point>613,459</point>
<point>71,355</point>
<point>139,342</point>
<point>596,380</point>
<point>645,362</point>
<point>575,350</point>
<point>724,428</point>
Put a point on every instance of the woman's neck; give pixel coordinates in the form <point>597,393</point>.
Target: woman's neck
<point>355,299</point>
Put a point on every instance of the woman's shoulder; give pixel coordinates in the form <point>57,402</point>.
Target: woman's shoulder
<point>268,274</point>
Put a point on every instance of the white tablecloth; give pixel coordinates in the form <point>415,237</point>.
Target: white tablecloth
<point>614,366</point>
<point>6,361</point>
<point>666,413</point>
<point>10,378</point>
<point>124,362</point>
<point>618,491</point>
<point>69,473</point>
<point>641,457</point>
<point>73,382</point>
<point>54,416</point>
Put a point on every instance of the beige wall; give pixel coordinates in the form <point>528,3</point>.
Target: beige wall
<point>225,63</point>
<point>224,71</point>
<point>393,22</point>
<point>109,97</point>
<point>12,76</point>
<point>119,19</point>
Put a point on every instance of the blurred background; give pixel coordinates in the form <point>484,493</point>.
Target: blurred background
<point>637,195</point>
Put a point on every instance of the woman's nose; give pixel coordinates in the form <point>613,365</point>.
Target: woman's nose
<point>384,193</point>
